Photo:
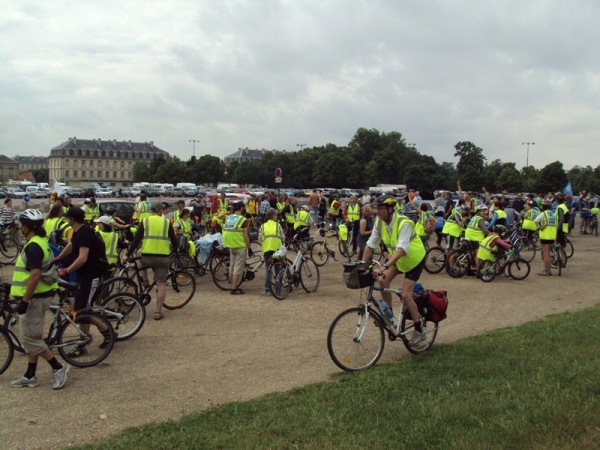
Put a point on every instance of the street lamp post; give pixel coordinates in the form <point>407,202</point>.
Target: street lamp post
<point>194,146</point>
<point>301,146</point>
<point>527,162</point>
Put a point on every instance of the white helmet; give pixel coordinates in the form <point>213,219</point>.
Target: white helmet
<point>482,208</point>
<point>32,218</point>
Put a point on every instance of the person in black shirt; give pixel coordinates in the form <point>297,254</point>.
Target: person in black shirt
<point>87,257</point>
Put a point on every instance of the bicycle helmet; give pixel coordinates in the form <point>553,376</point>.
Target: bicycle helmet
<point>465,207</point>
<point>500,229</point>
<point>386,200</point>
<point>237,204</point>
<point>33,218</point>
<point>305,208</point>
<point>482,208</point>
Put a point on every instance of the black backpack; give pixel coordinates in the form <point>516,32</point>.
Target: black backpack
<point>57,237</point>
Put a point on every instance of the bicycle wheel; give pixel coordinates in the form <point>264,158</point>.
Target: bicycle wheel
<point>220,275</point>
<point>125,313</point>
<point>281,283</point>
<point>319,253</point>
<point>354,341</point>
<point>429,328</point>
<point>569,249</point>
<point>457,264</point>
<point>526,249</point>
<point>487,271</point>
<point>115,285</point>
<point>435,259</point>
<point>309,275</point>
<point>181,287</point>
<point>9,248</point>
<point>519,269</point>
<point>85,348</point>
<point>557,257</point>
<point>7,352</point>
<point>182,261</point>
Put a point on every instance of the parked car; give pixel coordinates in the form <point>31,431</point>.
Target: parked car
<point>123,208</point>
<point>152,192</point>
<point>103,193</point>
<point>348,192</point>
<point>135,192</point>
<point>189,191</point>
<point>16,193</point>
<point>88,192</point>
<point>2,193</point>
<point>125,192</point>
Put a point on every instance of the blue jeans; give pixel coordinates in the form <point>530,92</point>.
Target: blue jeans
<point>267,287</point>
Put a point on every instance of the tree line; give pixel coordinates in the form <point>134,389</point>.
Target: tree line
<point>369,159</point>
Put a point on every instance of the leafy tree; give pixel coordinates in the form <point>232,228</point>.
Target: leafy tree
<point>509,178</point>
<point>140,172</point>
<point>470,165</point>
<point>40,175</point>
<point>552,178</point>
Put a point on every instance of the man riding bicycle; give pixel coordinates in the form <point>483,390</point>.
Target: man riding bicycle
<point>407,255</point>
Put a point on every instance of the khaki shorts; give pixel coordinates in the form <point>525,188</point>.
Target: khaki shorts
<point>32,325</point>
<point>158,264</point>
<point>237,261</point>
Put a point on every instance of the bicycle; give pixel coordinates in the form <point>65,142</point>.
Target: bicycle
<point>356,337</point>
<point>10,244</point>
<point>65,332</point>
<point>320,250</point>
<point>181,282</point>
<point>526,248</point>
<point>345,245</point>
<point>220,274</point>
<point>459,261</point>
<point>435,259</point>
<point>558,258</point>
<point>594,225</point>
<point>508,263</point>
<point>7,351</point>
<point>284,274</point>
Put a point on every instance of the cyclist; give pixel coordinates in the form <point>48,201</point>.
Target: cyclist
<point>154,233</point>
<point>455,224</point>
<point>562,219</point>
<point>57,224</point>
<point>546,223</point>
<point>407,255</point>
<point>366,228</point>
<point>272,236</point>
<point>352,214</point>
<point>115,221</point>
<point>180,204</point>
<point>489,246</point>
<point>477,231</point>
<point>302,222</point>
<point>110,238</point>
<point>35,289</point>
<point>183,229</point>
<point>529,216</point>
<point>236,238</point>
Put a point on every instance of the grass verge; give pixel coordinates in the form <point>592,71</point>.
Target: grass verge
<point>534,386</point>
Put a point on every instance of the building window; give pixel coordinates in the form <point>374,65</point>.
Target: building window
<point>122,164</point>
<point>67,163</point>
<point>147,155</point>
<point>129,165</point>
<point>107,176</point>
<point>103,154</point>
<point>66,174</point>
<point>82,163</point>
<point>83,174</point>
<point>74,174</point>
<point>107,165</point>
<point>99,174</point>
<point>91,163</point>
<point>114,164</point>
<point>99,164</point>
<point>115,175</point>
<point>122,175</point>
<point>74,164</point>
<point>129,175</point>
<point>96,153</point>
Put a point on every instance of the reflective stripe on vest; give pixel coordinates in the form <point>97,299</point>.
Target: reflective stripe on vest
<point>222,206</point>
<point>501,217</point>
<point>271,236</point>
<point>233,233</point>
<point>302,219</point>
<point>529,220</point>
<point>156,236</point>
<point>485,249</point>
<point>334,211</point>
<point>184,226</point>
<point>565,225</point>
<point>548,226</point>
<point>353,213</point>
<point>21,274</point>
<point>145,210</point>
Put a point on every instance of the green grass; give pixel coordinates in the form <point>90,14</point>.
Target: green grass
<point>533,386</point>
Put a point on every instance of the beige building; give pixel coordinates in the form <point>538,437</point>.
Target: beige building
<point>81,162</point>
<point>9,169</point>
<point>30,163</point>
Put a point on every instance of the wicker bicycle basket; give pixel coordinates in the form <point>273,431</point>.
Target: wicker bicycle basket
<point>358,275</point>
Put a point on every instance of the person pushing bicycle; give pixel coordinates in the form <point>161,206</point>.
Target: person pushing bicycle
<point>407,255</point>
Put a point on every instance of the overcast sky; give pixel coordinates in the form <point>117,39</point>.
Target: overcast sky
<point>274,74</point>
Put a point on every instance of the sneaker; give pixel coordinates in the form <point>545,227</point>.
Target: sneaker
<point>265,293</point>
<point>543,273</point>
<point>25,382</point>
<point>60,376</point>
<point>417,338</point>
<point>79,351</point>
<point>106,342</point>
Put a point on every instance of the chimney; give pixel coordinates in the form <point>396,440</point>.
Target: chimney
<point>129,143</point>
<point>99,142</point>
<point>151,144</point>
<point>75,140</point>
<point>114,143</point>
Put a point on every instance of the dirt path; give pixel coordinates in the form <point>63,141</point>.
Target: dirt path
<point>222,348</point>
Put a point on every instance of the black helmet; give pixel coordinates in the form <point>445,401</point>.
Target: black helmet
<point>500,229</point>
<point>386,200</point>
<point>237,204</point>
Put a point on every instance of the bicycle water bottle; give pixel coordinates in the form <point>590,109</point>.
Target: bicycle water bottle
<point>418,287</point>
<point>385,310</point>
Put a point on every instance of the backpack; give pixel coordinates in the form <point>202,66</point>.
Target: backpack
<point>103,264</point>
<point>432,305</point>
<point>440,223</point>
<point>57,238</point>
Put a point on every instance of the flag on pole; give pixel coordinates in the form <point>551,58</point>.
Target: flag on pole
<point>56,187</point>
<point>568,189</point>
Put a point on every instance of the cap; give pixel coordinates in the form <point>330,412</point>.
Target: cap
<point>568,196</point>
<point>104,219</point>
<point>156,206</point>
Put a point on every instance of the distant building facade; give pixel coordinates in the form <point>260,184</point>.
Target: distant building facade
<point>29,163</point>
<point>9,169</point>
<point>81,162</point>
<point>246,154</point>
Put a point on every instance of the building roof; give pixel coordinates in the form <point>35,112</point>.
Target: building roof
<point>106,146</point>
<point>6,159</point>
<point>26,176</point>
<point>248,153</point>
<point>31,159</point>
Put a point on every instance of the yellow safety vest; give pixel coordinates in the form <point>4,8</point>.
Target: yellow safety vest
<point>334,211</point>
<point>485,250</point>
<point>251,207</point>
<point>176,215</point>
<point>144,209</point>
<point>353,212</point>
<point>548,225</point>
<point>156,236</point>
<point>302,219</point>
<point>451,227</point>
<point>500,217</point>
<point>95,211</point>
<point>222,206</point>
<point>111,244</point>
<point>529,220</point>
<point>565,225</point>
<point>53,224</point>
<point>271,236</point>
<point>184,226</point>
<point>424,216</point>
<point>474,233</point>
<point>289,213</point>
<point>87,213</point>
<point>21,274</point>
<point>416,249</point>
<point>233,233</point>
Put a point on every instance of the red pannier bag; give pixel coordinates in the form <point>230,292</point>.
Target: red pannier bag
<point>433,305</point>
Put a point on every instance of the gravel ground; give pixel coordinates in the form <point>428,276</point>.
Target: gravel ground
<point>222,348</point>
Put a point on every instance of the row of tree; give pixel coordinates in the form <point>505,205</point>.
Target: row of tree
<point>369,159</point>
